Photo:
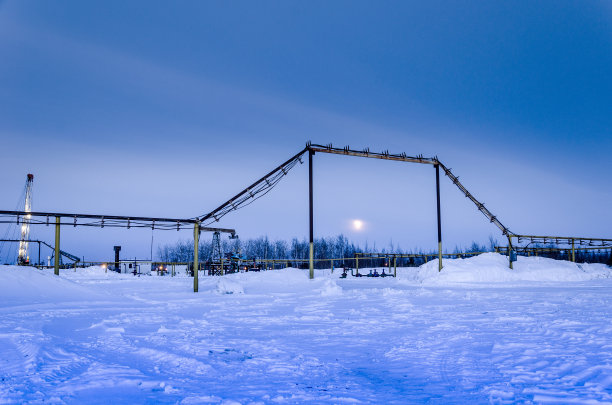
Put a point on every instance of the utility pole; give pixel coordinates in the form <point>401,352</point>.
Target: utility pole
<point>57,246</point>
<point>196,243</point>
<point>311,256</point>
<point>437,166</point>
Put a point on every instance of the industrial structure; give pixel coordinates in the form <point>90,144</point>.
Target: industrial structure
<point>115,221</point>
<point>22,256</point>
<point>218,264</point>
<point>262,186</point>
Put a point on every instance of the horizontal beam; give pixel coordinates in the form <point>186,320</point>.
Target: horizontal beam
<point>96,216</point>
<point>114,220</point>
<point>561,239</point>
<point>552,249</point>
<point>402,157</point>
<point>19,240</point>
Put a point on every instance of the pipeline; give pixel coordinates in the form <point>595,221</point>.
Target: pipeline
<point>492,218</point>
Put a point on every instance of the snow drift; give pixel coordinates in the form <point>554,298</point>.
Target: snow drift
<point>493,268</point>
<point>25,285</point>
<point>225,286</point>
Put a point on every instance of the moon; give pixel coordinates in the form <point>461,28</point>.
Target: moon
<point>357,224</point>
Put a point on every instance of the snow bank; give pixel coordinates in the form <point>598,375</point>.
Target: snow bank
<point>94,273</point>
<point>264,282</point>
<point>493,268</point>
<point>25,285</point>
<point>330,288</point>
<point>225,286</point>
<point>289,280</point>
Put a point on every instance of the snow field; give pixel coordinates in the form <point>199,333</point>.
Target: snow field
<point>476,332</point>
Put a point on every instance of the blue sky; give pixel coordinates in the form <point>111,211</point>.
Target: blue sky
<point>168,109</point>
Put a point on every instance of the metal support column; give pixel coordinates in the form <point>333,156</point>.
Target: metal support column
<point>573,252</point>
<point>38,264</point>
<point>311,256</point>
<point>57,246</point>
<point>510,251</point>
<point>394,266</point>
<point>439,219</point>
<point>196,244</point>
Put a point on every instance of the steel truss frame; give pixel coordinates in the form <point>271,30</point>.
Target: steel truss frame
<point>263,185</point>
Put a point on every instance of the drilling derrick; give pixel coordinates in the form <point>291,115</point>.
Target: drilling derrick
<point>216,254</point>
<point>22,258</point>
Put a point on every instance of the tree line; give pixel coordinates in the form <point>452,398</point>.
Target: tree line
<point>296,250</point>
<point>337,247</point>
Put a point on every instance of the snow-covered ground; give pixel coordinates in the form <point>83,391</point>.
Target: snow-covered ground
<point>475,333</point>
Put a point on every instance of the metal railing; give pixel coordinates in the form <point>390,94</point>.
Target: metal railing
<point>582,248</point>
<point>569,244</point>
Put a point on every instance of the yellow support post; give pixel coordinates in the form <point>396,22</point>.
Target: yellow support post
<point>356,264</point>
<point>57,246</point>
<point>311,262</point>
<point>196,244</point>
<point>394,266</point>
<point>573,252</point>
<point>222,269</point>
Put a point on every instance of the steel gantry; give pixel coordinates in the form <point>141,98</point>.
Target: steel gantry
<point>267,182</point>
<point>114,221</point>
<point>402,157</point>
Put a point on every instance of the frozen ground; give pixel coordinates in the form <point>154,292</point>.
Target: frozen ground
<point>475,333</point>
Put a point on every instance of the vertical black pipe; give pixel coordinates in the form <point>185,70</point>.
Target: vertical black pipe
<point>117,249</point>
<point>311,247</point>
<point>56,263</point>
<point>439,219</point>
<point>38,264</point>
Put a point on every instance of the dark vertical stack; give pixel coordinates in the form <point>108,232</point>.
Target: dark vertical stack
<point>117,250</point>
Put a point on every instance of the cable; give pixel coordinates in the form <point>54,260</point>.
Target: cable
<point>250,195</point>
